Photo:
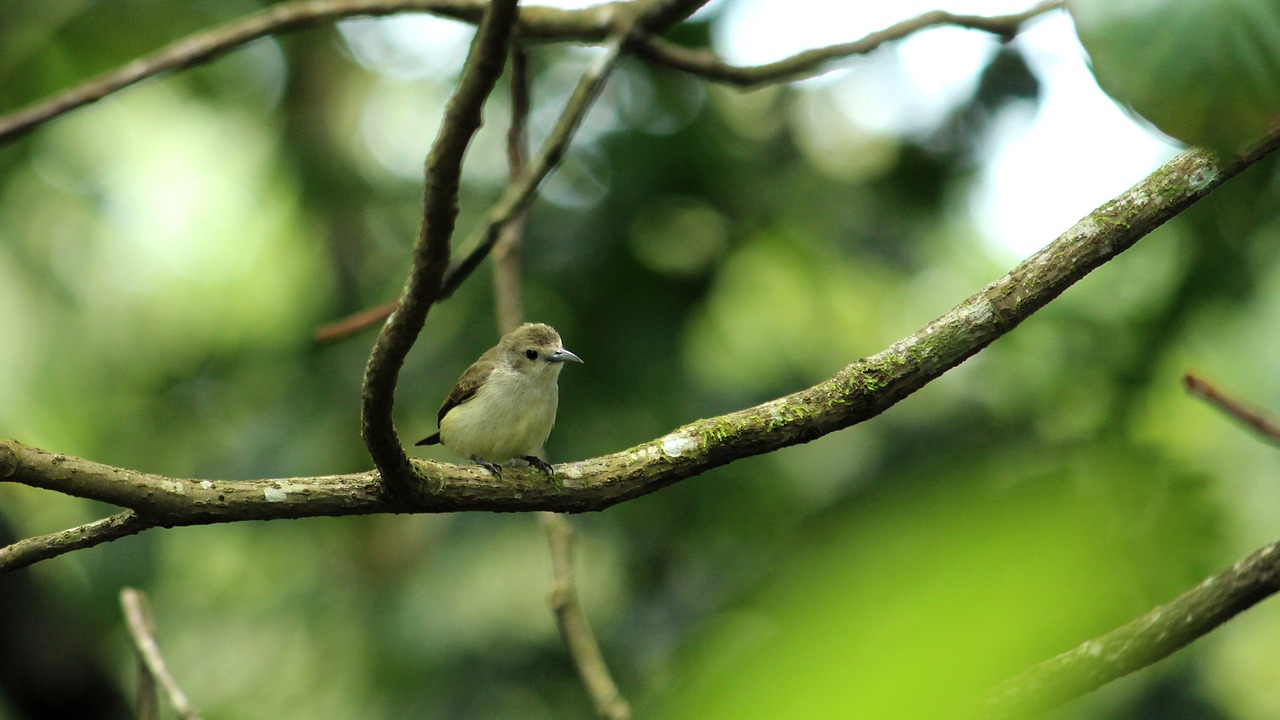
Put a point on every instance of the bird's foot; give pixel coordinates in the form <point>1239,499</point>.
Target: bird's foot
<point>539,463</point>
<point>494,468</point>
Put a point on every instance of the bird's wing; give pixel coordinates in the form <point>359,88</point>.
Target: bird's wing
<point>467,385</point>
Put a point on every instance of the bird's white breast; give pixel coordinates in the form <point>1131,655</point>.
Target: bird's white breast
<point>510,416</point>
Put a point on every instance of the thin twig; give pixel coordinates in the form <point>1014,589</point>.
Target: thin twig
<point>1264,427</point>
<point>509,307</point>
<point>148,703</point>
<point>1139,643</point>
<point>708,65</point>
<point>520,191</point>
<point>138,618</point>
<point>703,63</point>
<point>431,252</point>
<point>572,621</point>
<point>354,323</point>
<point>29,551</point>
<point>507,296</point>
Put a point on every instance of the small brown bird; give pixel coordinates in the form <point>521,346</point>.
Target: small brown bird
<point>504,405</point>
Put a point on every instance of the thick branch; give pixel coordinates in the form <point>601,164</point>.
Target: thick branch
<point>860,391</point>
<point>1140,643</point>
<point>462,119</point>
<point>707,64</point>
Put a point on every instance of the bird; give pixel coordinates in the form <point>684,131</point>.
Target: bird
<point>504,405</point>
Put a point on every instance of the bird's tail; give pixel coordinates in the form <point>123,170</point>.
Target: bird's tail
<point>433,439</point>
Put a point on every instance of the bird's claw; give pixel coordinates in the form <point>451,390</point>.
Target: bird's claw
<point>494,468</point>
<point>539,463</point>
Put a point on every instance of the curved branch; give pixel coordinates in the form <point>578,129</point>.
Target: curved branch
<point>428,280</point>
<point>590,24</point>
<point>1141,642</point>
<point>708,65</point>
<point>462,119</point>
<point>520,191</point>
<point>860,391</point>
<point>514,201</point>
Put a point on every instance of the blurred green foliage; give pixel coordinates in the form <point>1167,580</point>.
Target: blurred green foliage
<point>166,253</point>
<point>1205,73</point>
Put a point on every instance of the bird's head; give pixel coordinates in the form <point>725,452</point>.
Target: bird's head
<point>535,349</point>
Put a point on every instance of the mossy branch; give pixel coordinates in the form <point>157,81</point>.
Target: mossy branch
<point>860,391</point>
<point>1138,643</point>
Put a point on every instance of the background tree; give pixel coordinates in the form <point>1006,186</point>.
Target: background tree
<point>168,253</point>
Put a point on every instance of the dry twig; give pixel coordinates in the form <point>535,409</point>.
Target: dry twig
<point>571,619</point>
<point>151,665</point>
<point>1259,423</point>
<point>698,62</point>
<point>708,65</point>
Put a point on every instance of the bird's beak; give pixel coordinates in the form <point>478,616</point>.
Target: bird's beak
<point>563,355</point>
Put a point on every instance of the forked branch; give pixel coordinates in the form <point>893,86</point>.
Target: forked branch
<point>860,391</point>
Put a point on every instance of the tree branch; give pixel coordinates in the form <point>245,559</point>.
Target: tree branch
<point>1141,642</point>
<point>590,24</point>
<point>572,621</point>
<point>151,662</point>
<point>354,323</point>
<point>462,119</point>
<point>29,551</point>
<point>706,64</point>
<point>860,391</point>
<point>520,191</point>
<point>1259,423</point>
<point>507,302</point>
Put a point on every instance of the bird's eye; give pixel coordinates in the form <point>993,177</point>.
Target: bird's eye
<point>531,354</point>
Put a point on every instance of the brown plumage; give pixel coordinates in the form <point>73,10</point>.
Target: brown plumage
<point>504,405</point>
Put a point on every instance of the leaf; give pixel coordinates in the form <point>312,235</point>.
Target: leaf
<point>1206,72</point>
